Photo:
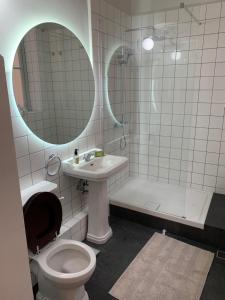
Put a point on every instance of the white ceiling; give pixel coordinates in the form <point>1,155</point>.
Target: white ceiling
<point>124,5</point>
<point>145,6</point>
<point>136,7</point>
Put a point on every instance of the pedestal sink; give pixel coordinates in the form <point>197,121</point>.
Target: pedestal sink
<point>97,171</point>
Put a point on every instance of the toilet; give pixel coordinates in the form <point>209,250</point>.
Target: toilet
<point>62,266</point>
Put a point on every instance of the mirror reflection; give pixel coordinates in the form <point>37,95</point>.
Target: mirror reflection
<point>121,78</point>
<point>53,83</point>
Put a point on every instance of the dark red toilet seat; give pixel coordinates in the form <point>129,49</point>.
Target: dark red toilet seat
<point>43,219</point>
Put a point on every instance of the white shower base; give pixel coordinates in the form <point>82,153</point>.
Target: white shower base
<point>171,202</point>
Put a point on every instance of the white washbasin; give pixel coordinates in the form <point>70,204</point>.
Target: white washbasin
<point>98,169</point>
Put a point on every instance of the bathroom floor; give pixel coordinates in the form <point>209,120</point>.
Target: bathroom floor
<point>128,239</point>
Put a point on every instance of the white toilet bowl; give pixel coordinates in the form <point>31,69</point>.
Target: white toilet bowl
<point>62,266</point>
<point>63,269</point>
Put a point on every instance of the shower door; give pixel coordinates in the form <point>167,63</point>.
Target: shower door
<point>163,133</point>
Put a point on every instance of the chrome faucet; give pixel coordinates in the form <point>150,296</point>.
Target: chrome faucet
<point>87,156</point>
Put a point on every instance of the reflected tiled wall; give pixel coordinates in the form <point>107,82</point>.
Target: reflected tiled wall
<point>39,108</point>
<point>61,84</point>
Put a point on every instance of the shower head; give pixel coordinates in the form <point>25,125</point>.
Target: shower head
<point>124,55</point>
<point>158,38</point>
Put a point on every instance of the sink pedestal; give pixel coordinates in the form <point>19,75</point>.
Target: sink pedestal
<point>99,231</point>
<point>97,171</point>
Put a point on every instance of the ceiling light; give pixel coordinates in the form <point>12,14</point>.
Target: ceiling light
<point>176,55</point>
<point>148,43</point>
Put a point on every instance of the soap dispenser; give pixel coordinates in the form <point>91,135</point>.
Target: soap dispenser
<point>76,158</point>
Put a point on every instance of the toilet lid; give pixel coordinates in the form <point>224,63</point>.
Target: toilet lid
<point>43,219</point>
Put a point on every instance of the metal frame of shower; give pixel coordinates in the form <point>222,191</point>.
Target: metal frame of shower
<point>181,6</point>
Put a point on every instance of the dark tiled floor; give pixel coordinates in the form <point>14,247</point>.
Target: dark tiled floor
<point>128,239</point>
<point>216,214</point>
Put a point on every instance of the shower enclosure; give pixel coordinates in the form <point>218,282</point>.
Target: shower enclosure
<point>155,99</point>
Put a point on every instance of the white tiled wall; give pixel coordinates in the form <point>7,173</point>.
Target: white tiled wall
<point>175,109</point>
<point>175,130</point>
<point>32,153</point>
<point>109,24</point>
<point>180,134</point>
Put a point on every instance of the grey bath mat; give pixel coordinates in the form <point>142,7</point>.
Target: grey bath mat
<point>165,269</point>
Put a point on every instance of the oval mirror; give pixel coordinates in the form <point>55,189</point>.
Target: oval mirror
<point>53,83</point>
<point>119,75</point>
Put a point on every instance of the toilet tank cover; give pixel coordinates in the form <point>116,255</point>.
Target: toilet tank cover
<point>43,219</point>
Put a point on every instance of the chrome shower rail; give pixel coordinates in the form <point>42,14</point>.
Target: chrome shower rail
<point>140,28</point>
<point>182,6</point>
